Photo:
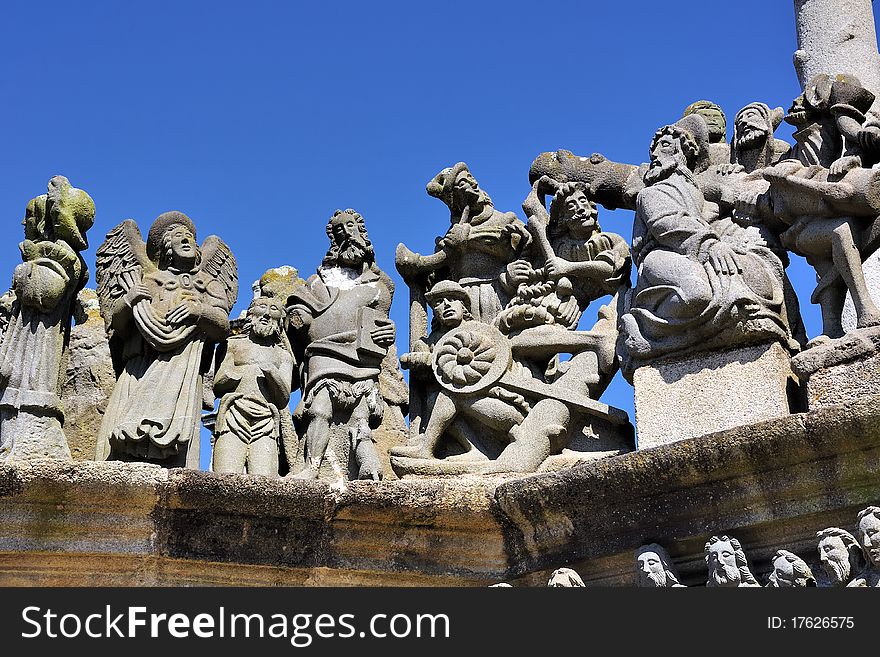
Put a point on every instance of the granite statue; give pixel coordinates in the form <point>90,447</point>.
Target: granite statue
<point>840,555</point>
<point>789,570</point>
<point>340,333</point>
<point>703,281</point>
<point>496,396</point>
<point>37,332</point>
<point>727,563</point>
<point>869,539</point>
<point>565,578</point>
<point>716,121</point>
<point>253,379</point>
<point>754,147</point>
<point>654,568</point>
<point>166,305</point>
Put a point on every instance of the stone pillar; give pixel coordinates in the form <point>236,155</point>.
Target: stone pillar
<point>837,36</point>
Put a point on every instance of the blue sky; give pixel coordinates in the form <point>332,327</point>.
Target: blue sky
<point>259,119</point>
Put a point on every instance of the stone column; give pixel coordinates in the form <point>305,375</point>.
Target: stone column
<point>837,36</point>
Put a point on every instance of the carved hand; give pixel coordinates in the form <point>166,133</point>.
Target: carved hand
<point>416,360</point>
<point>721,259</point>
<point>456,235</point>
<point>187,311</point>
<point>557,268</point>
<point>383,335</point>
<point>137,293</point>
<point>841,165</point>
<point>520,271</point>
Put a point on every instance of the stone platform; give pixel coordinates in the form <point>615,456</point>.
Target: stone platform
<point>682,398</point>
<point>771,484</point>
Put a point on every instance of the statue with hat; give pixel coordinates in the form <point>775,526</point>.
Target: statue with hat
<point>37,332</point>
<point>166,305</point>
<point>716,121</point>
<point>703,281</point>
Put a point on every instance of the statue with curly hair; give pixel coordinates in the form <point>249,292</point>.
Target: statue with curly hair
<point>166,305</point>
<point>840,555</point>
<point>869,539</point>
<point>789,570</point>
<point>728,566</point>
<point>340,333</point>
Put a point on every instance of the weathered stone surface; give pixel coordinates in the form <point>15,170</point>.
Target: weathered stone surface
<point>769,484</point>
<point>871,270</point>
<point>88,378</point>
<point>678,399</point>
<point>166,305</point>
<point>841,383</point>
<point>837,37</point>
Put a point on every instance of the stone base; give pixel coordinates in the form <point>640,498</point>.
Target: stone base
<point>843,383</point>
<point>709,392</point>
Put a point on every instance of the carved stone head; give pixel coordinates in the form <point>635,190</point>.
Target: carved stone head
<point>727,563</point>
<point>869,535</point>
<point>565,578</point>
<point>573,212</point>
<point>789,570</point>
<point>457,188</point>
<point>171,241</point>
<point>350,245</point>
<point>654,567</point>
<point>682,146</point>
<point>714,117</point>
<point>450,303</point>
<point>840,555</point>
<point>267,317</point>
<point>754,124</point>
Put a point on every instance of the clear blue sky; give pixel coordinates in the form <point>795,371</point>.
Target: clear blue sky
<point>258,119</point>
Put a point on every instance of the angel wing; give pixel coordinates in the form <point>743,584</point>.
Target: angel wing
<point>120,263</point>
<point>219,263</point>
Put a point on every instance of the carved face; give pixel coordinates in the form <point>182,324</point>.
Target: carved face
<point>466,192</point>
<point>783,575</point>
<point>721,560</point>
<point>266,317</point>
<point>348,236</point>
<point>449,311</point>
<point>667,156</point>
<point>869,536</point>
<point>181,244</point>
<point>834,556</point>
<point>650,570</point>
<point>715,121</point>
<point>751,128</point>
<point>578,213</point>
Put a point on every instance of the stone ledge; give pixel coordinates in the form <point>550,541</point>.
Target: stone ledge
<point>772,484</point>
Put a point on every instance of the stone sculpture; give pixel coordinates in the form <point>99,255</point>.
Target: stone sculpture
<point>840,555</point>
<point>165,304</point>
<point>340,332</point>
<point>754,147</point>
<point>565,578</point>
<point>789,570</point>
<point>44,287</point>
<point>654,568</point>
<point>713,115</point>
<point>869,539</point>
<point>728,566</point>
<point>253,380</point>
<point>703,282</point>
<point>495,395</point>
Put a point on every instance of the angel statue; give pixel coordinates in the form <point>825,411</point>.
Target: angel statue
<point>166,305</point>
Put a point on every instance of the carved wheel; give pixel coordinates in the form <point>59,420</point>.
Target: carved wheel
<point>471,358</point>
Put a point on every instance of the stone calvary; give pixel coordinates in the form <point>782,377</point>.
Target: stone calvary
<point>748,430</point>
